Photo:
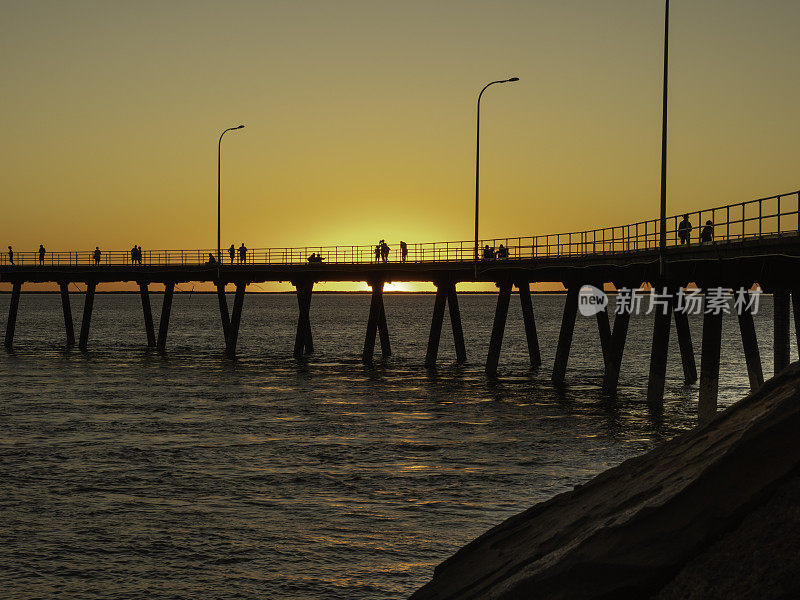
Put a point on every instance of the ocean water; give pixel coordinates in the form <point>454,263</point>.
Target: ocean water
<point>126,474</point>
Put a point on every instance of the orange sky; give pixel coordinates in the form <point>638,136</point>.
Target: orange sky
<point>360,117</point>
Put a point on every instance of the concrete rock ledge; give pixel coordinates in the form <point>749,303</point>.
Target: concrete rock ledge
<point>713,513</point>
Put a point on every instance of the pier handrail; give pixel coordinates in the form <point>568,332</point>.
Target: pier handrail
<point>769,217</point>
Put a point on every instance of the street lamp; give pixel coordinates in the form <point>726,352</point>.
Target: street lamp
<point>219,188</point>
<point>662,238</point>
<point>477,162</point>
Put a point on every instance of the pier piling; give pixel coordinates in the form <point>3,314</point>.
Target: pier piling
<point>796,312</point>
<point>455,324</point>
<point>163,324</point>
<point>709,366</point>
<point>144,292</point>
<point>445,295</point>
<point>565,335</point>
<point>377,319</point>
<point>303,340</point>
<point>88,306</point>
<point>222,299</point>
<point>619,336</point>
<point>13,309</point>
<point>436,326</point>
<point>383,331</point>
<point>604,330</point>
<point>529,321</point>
<point>780,299</point>
<point>498,328</point>
<point>236,319</point>
<point>658,356</point>
<point>685,345</point>
<point>67,310</point>
<point>750,345</point>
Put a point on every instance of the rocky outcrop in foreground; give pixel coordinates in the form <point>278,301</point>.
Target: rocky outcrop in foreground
<point>713,513</point>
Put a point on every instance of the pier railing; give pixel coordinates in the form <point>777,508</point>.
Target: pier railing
<point>770,217</point>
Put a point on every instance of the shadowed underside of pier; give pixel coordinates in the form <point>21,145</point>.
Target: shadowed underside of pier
<point>749,251</point>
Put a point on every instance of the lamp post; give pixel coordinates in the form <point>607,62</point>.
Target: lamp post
<point>662,239</point>
<point>219,189</point>
<point>477,162</point>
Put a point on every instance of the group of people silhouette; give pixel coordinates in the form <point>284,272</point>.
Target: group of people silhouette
<point>42,253</point>
<point>489,253</point>
<point>242,253</point>
<point>382,251</point>
<point>136,255</point>
<point>685,231</point>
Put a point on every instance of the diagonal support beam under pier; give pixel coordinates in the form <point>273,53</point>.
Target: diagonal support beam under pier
<point>67,310</point>
<point>13,309</point>
<point>618,338</point>
<point>604,331</point>
<point>88,306</point>
<point>498,328</point>
<point>685,345</point>
<point>435,334</point>
<point>780,299</point>
<point>455,324</point>
<point>236,319</point>
<point>709,366</point>
<point>752,355</point>
<point>147,311</point>
<point>658,355</point>
<point>223,311</point>
<point>565,336</point>
<point>166,309</point>
<point>796,311</point>
<point>304,341</point>
<point>530,323</point>
<point>377,320</point>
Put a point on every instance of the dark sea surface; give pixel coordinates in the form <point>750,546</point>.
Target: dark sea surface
<point>125,474</point>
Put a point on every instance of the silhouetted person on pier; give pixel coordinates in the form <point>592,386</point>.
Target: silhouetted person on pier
<point>378,251</point>
<point>211,260</point>
<point>488,252</point>
<point>96,255</point>
<point>134,254</point>
<point>707,234</point>
<point>315,258</point>
<point>232,252</point>
<point>10,255</point>
<point>242,254</point>
<point>403,251</point>
<point>42,252</point>
<point>502,252</point>
<point>139,255</point>
<point>685,231</point>
<point>384,251</point>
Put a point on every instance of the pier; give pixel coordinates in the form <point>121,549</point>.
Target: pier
<point>755,243</point>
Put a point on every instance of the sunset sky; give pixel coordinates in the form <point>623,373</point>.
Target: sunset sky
<point>360,117</point>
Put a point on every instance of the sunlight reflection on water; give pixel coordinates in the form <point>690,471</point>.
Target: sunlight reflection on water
<point>191,475</point>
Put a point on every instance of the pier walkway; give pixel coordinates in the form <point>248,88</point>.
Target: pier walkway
<point>754,243</point>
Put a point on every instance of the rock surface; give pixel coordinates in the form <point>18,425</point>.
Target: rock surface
<point>678,522</point>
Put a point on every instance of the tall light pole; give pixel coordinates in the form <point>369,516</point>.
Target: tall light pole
<point>478,162</point>
<point>662,240</point>
<point>219,191</point>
